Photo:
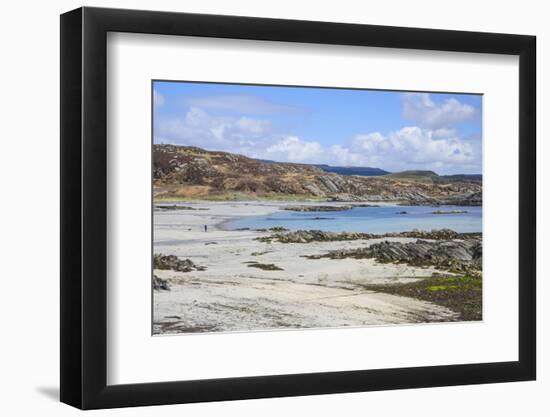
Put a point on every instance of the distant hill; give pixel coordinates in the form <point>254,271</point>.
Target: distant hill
<point>361,171</point>
<point>413,175</point>
<point>430,176</point>
<point>463,177</point>
<point>184,172</point>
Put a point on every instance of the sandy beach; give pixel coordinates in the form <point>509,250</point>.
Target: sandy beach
<point>230,295</point>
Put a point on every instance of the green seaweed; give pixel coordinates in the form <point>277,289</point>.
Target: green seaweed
<point>462,294</point>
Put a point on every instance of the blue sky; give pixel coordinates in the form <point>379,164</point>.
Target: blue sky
<point>386,129</point>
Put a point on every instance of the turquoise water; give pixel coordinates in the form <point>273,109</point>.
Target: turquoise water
<point>368,219</point>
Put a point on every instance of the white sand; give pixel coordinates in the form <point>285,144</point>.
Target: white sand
<point>231,296</point>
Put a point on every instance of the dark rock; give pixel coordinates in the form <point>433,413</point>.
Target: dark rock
<point>463,256</point>
<point>436,234</point>
<point>177,207</point>
<point>160,284</point>
<point>317,208</point>
<point>306,236</point>
<point>272,229</point>
<point>174,263</point>
<point>277,229</point>
<point>265,267</point>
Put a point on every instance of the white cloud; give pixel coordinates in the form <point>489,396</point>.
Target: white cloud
<point>244,135</point>
<point>418,148</point>
<point>342,155</point>
<point>198,128</point>
<point>292,149</point>
<point>443,133</point>
<point>158,99</point>
<point>248,104</point>
<point>421,109</point>
<point>254,125</point>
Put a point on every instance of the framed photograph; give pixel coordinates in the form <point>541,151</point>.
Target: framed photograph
<point>260,208</point>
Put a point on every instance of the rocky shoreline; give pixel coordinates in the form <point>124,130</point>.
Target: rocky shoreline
<point>308,236</point>
<point>456,256</point>
<point>472,199</point>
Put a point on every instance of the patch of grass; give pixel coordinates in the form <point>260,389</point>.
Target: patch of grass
<point>462,294</point>
<point>441,287</point>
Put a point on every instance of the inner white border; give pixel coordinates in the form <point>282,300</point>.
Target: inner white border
<point>134,356</point>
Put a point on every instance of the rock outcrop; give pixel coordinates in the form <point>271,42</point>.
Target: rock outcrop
<point>436,234</point>
<point>172,207</point>
<point>160,284</point>
<point>175,264</point>
<point>307,236</point>
<point>464,256</point>
<point>317,208</point>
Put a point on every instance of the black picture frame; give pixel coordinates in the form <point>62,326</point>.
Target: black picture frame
<point>84,207</point>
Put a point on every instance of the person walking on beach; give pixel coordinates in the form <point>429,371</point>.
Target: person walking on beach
<point>206,228</point>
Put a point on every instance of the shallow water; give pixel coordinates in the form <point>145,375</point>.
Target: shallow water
<point>368,219</point>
